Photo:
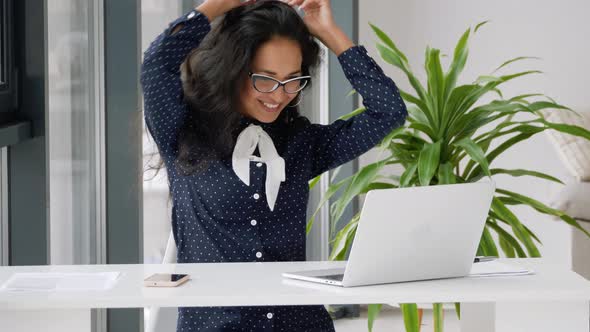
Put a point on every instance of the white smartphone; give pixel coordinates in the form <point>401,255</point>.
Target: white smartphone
<point>165,280</point>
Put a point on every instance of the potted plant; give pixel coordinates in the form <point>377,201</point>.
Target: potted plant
<point>443,142</point>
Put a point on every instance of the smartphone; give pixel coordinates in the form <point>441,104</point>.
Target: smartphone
<point>165,280</point>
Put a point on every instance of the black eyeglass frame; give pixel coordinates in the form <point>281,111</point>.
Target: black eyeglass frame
<point>279,83</point>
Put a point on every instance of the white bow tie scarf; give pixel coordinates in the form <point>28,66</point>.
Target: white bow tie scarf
<point>246,143</point>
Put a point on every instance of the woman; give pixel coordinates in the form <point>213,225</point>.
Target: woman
<point>221,104</point>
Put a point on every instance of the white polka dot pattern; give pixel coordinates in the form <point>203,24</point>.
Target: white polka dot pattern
<point>214,213</point>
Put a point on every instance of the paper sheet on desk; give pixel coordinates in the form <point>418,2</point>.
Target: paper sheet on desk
<point>60,281</point>
<point>496,269</point>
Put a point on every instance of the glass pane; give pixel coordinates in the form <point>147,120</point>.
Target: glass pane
<point>3,40</point>
<point>3,207</point>
<point>72,147</point>
<point>155,16</point>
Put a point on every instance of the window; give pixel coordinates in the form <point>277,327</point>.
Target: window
<point>6,60</point>
<point>3,208</point>
<point>73,122</point>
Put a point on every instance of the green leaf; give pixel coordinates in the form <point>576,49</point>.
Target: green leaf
<point>498,92</point>
<point>411,319</point>
<point>314,181</point>
<point>532,234</point>
<point>487,244</point>
<point>458,309</point>
<point>378,186</point>
<point>387,140</point>
<point>480,25</point>
<point>543,208</point>
<point>344,239</point>
<point>524,96</point>
<point>503,107</point>
<point>507,248</point>
<point>475,152</point>
<point>504,235</point>
<point>453,109</point>
<point>438,317</point>
<point>514,60</point>
<point>487,79</point>
<point>416,114</point>
<point>498,150</point>
<point>373,311</point>
<point>387,41</point>
<point>507,78</point>
<point>435,79</point>
<point>353,113</point>
<point>457,65</point>
<point>420,112</point>
<point>523,172</point>
<point>408,175</point>
<point>416,101</point>
<point>391,57</point>
<point>468,124</point>
<point>332,189</point>
<point>359,182</point>
<point>423,128</point>
<point>445,174</point>
<point>475,92</point>
<point>568,129</point>
<point>505,214</point>
<point>428,162</point>
<point>536,106</point>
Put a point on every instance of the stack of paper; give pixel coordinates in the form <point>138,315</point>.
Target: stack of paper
<point>60,281</point>
<point>495,269</point>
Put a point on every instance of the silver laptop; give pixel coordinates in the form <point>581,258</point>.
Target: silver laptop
<point>415,233</point>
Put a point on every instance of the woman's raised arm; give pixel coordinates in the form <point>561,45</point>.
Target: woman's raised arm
<point>164,109</point>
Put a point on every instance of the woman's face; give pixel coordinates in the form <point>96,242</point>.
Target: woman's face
<point>279,58</point>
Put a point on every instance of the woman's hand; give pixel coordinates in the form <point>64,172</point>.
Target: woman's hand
<point>319,20</point>
<point>318,15</point>
<point>214,8</point>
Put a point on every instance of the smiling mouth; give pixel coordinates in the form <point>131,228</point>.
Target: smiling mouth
<point>271,108</point>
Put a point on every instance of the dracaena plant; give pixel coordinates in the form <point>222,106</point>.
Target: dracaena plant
<point>443,142</point>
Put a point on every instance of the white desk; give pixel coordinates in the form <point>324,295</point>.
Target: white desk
<point>555,299</point>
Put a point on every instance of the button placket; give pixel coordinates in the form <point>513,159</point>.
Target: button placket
<point>256,196</point>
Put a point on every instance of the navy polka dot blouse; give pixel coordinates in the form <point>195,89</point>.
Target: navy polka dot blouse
<point>216,217</point>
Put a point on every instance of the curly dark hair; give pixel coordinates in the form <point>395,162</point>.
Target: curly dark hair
<point>211,76</point>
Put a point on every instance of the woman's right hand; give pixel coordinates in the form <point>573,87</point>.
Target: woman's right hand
<point>214,8</point>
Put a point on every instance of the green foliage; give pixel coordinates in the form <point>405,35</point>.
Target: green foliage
<point>438,145</point>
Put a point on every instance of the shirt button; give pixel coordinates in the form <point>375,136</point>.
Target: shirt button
<point>191,15</point>
<point>253,222</point>
<point>269,315</point>
<point>258,164</point>
<point>256,196</point>
<point>258,254</point>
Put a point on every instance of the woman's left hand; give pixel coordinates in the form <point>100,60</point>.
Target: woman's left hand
<point>320,22</point>
<point>318,15</point>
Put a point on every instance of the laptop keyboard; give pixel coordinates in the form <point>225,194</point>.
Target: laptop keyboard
<point>338,277</point>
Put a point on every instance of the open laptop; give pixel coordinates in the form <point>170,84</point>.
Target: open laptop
<point>415,233</point>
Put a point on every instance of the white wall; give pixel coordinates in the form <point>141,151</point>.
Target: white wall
<point>555,31</point>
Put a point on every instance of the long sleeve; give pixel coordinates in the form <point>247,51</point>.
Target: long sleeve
<point>164,108</point>
<point>345,140</point>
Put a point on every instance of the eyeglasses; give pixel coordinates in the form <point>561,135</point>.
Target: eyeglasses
<point>267,84</point>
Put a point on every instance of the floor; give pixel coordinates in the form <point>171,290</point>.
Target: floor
<point>390,319</point>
